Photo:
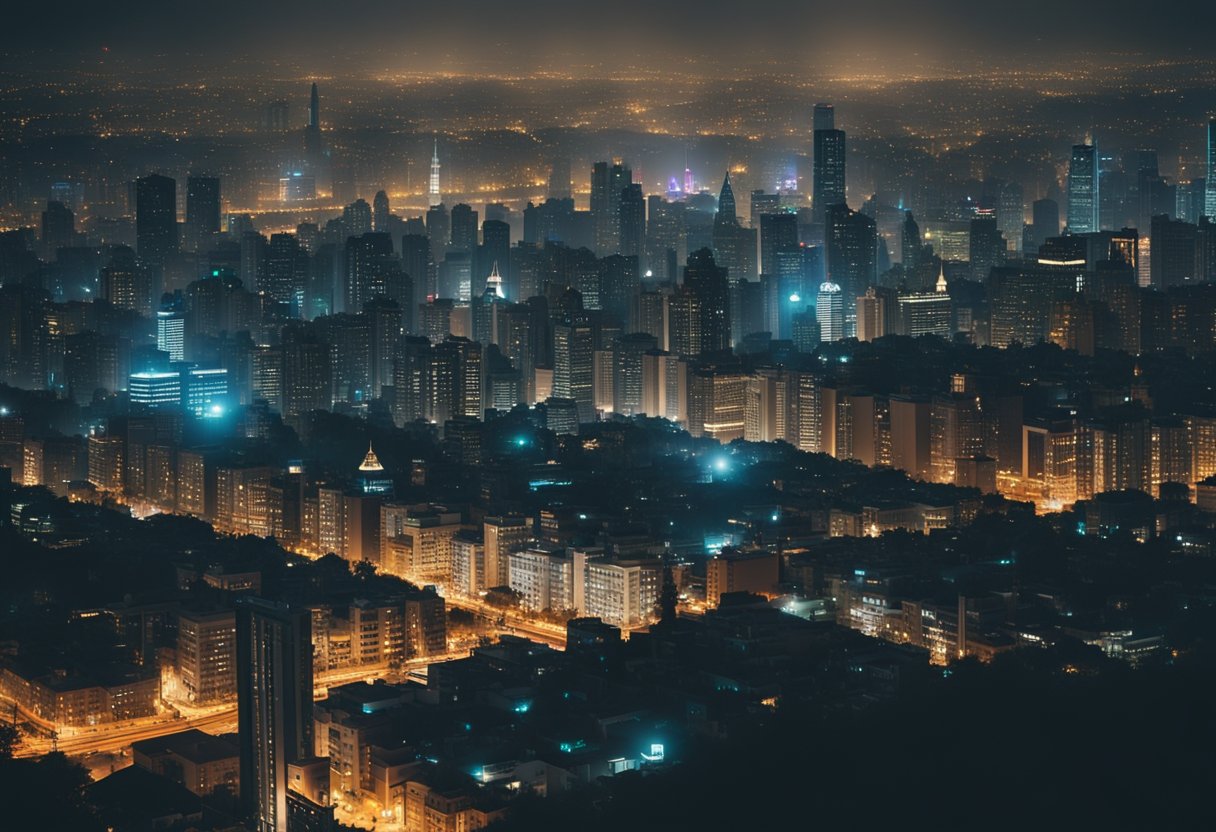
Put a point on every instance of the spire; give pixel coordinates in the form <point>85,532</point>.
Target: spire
<point>494,282</point>
<point>726,203</point>
<point>941,278</point>
<point>434,188</point>
<point>370,462</point>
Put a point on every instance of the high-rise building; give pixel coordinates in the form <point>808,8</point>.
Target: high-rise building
<point>573,349</point>
<point>1209,202</point>
<point>380,212</point>
<point>202,211</point>
<point>829,312</point>
<point>155,219</point>
<point>632,221</point>
<point>1083,190</point>
<point>852,241</point>
<point>433,196</point>
<point>707,281</point>
<point>608,182</point>
<point>828,187</point>
<point>734,245</point>
<point>171,334</point>
<point>155,389</point>
<point>274,704</point>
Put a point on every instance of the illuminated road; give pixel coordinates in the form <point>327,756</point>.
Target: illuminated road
<point>220,719</point>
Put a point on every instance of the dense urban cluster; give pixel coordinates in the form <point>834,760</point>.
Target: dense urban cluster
<point>322,512</point>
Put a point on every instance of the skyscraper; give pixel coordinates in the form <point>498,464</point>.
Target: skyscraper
<point>433,196</point>
<point>1209,201</point>
<point>829,312</point>
<point>707,281</point>
<point>155,219</point>
<point>312,133</point>
<point>852,240</point>
<point>380,212</point>
<point>274,703</point>
<point>608,181</point>
<point>1083,189</point>
<point>825,117</point>
<point>828,188</point>
<point>632,221</point>
<point>202,211</point>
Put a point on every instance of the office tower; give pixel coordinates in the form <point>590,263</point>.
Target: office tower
<point>986,247</point>
<point>433,196</point>
<point>357,218</point>
<point>276,116</point>
<point>171,334</point>
<point>155,219</point>
<point>607,184</point>
<point>58,226</point>
<point>573,348</point>
<point>380,212</point>
<point>852,240</point>
<point>632,221</point>
<point>438,230</point>
<point>284,271</point>
<point>463,228</point>
<point>824,117</point>
<point>716,403</point>
<point>734,246</point>
<point>1173,253</point>
<point>828,165</point>
<point>126,283</point>
<point>307,373</point>
<point>1021,297</point>
<point>274,704</point>
<point>1010,213</point>
<point>829,312</point>
<point>372,270</point>
<point>155,389</point>
<point>628,352</point>
<point>707,282</point>
<point>202,211</point>
<point>1209,202</point>
<point>1045,223</point>
<point>927,313</point>
<point>666,244</point>
<point>1083,190</point>
<point>312,133</point>
<point>778,233</point>
<point>875,313</point>
<point>420,269</point>
<point>559,178</point>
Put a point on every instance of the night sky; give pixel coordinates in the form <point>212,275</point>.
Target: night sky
<point>539,34</point>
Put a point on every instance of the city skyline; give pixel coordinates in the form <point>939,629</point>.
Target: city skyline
<point>545,417</point>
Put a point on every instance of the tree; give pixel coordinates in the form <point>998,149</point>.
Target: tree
<point>668,597</point>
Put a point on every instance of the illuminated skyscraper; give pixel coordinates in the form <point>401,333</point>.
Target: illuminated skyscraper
<point>312,133</point>
<point>829,312</point>
<point>1083,189</point>
<point>433,191</point>
<point>171,334</point>
<point>1209,202</point>
<point>707,282</point>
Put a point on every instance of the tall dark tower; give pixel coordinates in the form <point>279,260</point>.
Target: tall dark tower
<point>312,133</point>
<point>706,280</point>
<point>828,188</point>
<point>202,211</point>
<point>727,213</point>
<point>274,704</point>
<point>155,219</point>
